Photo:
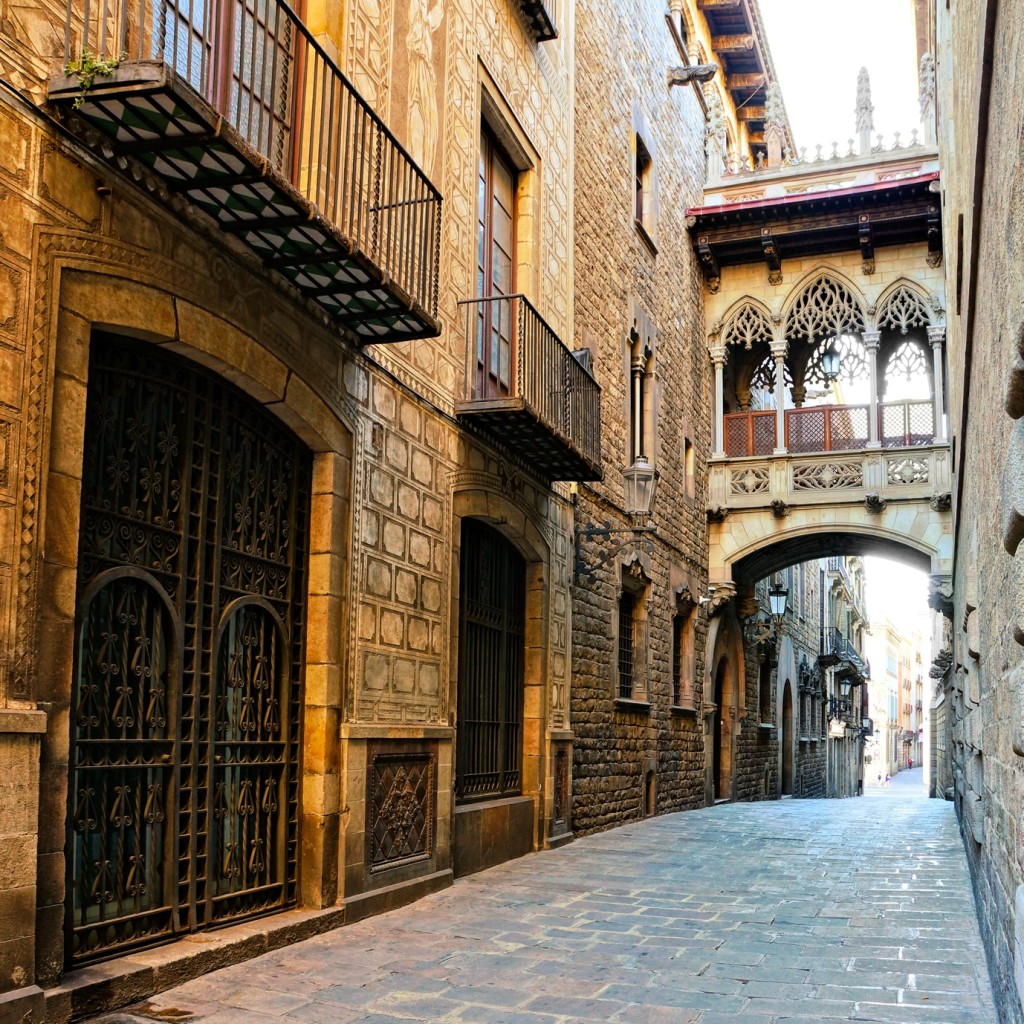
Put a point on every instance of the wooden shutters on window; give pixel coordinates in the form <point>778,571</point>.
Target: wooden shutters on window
<point>496,186</point>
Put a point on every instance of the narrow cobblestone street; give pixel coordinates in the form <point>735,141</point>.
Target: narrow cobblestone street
<point>803,912</point>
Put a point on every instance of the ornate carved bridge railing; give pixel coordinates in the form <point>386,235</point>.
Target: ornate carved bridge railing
<point>921,472</point>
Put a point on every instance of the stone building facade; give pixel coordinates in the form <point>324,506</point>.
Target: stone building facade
<point>980,108</point>
<point>640,700</point>
<point>138,332</point>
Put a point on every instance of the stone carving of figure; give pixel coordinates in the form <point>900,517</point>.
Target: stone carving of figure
<point>926,97</point>
<point>715,136</point>
<point>424,21</point>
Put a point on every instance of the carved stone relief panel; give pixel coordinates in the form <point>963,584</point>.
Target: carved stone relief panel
<point>401,810</point>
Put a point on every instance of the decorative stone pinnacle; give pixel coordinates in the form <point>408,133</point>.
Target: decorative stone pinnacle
<point>865,111</point>
<point>774,113</point>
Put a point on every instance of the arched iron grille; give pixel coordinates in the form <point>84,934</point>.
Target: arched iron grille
<point>492,642</point>
<point>186,698</point>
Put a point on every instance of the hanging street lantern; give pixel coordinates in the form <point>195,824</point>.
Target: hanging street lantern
<point>831,362</point>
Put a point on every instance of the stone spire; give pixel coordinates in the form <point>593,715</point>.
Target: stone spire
<point>715,139</point>
<point>774,124</point>
<point>865,120</point>
<point>926,97</point>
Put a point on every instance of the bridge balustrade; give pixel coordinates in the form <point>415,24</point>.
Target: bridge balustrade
<point>830,428</point>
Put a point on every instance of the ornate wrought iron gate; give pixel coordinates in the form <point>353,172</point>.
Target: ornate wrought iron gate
<point>492,638</point>
<point>185,715</point>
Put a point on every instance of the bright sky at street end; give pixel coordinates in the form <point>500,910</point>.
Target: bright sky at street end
<point>818,47</point>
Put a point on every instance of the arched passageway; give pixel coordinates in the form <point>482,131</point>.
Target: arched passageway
<point>788,748</point>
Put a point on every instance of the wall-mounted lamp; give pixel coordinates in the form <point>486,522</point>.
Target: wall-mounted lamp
<point>639,484</point>
<point>762,630</point>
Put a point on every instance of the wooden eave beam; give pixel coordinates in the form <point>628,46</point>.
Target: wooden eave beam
<point>732,44</point>
<point>750,113</point>
<point>718,5</point>
<point>749,81</point>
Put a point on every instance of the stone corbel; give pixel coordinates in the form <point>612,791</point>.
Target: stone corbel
<point>685,600</point>
<point>875,503</point>
<point>941,663</point>
<point>708,264</point>
<point>720,594</point>
<point>867,244</point>
<point>941,502</point>
<point>716,513</point>
<point>637,565</point>
<point>779,509</point>
<point>940,595</point>
<point>771,256</point>
<point>934,229</point>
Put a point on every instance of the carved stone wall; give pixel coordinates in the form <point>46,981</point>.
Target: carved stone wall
<point>629,299</point>
<point>982,155</point>
<point>81,244</point>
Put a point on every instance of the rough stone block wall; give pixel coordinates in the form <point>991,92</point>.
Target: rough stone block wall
<point>984,232</point>
<point>618,278</point>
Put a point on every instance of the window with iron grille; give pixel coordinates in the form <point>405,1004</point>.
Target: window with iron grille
<point>678,625</point>
<point>627,642</point>
<point>492,617</point>
<point>764,690</point>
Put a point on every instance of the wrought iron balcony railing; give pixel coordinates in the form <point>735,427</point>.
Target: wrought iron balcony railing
<point>235,105</point>
<point>837,649</point>
<point>830,428</point>
<point>526,389</point>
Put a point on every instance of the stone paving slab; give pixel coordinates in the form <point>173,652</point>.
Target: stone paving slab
<point>790,912</point>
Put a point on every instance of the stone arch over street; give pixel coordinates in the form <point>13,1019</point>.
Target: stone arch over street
<point>751,544</point>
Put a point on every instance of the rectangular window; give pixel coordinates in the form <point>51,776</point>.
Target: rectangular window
<point>677,660</point>
<point>643,191</point>
<point>496,188</point>
<point>627,643</point>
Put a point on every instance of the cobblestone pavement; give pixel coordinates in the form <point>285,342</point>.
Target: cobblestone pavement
<point>802,912</point>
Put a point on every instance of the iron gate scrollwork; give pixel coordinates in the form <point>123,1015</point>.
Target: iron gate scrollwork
<point>187,683</point>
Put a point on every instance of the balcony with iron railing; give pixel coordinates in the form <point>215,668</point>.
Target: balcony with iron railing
<point>234,105</point>
<point>837,650</point>
<point>526,390</point>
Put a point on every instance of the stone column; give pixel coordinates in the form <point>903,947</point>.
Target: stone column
<point>937,338</point>
<point>718,357</point>
<point>778,349</point>
<point>871,339</point>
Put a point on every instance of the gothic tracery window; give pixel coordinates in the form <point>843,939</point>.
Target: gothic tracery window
<point>825,309</point>
<point>903,310</point>
<point>746,327</point>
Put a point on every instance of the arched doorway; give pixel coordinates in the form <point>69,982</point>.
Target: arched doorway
<point>788,753</point>
<point>721,772</point>
<point>492,636</point>
<point>186,695</point>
